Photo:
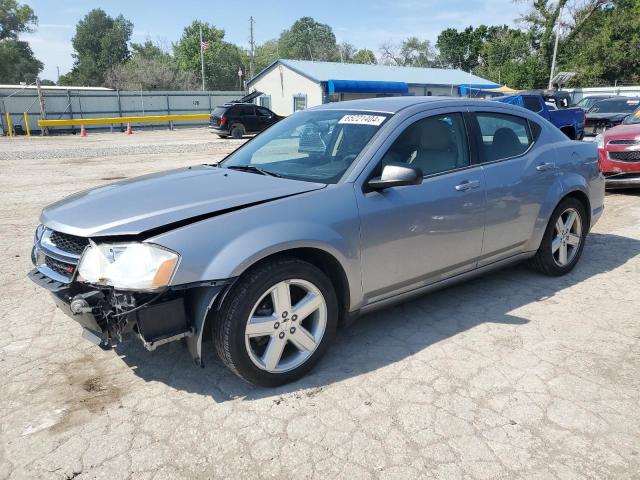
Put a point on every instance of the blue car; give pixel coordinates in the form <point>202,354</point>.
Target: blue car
<point>334,211</point>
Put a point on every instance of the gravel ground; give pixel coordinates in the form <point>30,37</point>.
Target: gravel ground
<point>513,375</point>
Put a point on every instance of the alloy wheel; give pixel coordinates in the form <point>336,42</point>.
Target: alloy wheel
<point>286,325</point>
<point>567,237</point>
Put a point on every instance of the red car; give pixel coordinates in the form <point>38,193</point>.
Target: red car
<point>619,153</point>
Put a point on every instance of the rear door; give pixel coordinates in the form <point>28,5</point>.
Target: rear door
<point>518,174</point>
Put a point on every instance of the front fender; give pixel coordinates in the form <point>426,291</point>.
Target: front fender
<point>225,246</point>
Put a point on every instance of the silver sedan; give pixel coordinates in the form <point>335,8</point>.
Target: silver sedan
<point>332,212</point>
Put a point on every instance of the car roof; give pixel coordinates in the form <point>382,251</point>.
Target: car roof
<point>395,104</point>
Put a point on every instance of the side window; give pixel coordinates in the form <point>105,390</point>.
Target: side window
<point>503,136</point>
<point>434,144</point>
<point>243,110</point>
<point>536,129</point>
<point>532,103</point>
<point>263,112</point>
<point>299,102</point>
<point>265,101</point>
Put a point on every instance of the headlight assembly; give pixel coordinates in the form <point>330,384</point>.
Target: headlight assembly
<point>600,141</point>
<point>128,266</point>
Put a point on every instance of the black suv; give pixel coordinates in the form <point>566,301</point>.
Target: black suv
<point>237,118</point>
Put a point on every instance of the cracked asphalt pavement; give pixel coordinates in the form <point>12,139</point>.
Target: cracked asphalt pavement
<point>511,375</point>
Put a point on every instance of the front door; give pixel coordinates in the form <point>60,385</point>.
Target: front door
<point>416,235</point>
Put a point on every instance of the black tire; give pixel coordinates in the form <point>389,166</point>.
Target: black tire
<point>544,261</point>
<point>231,321</point>
<point>237,131</point>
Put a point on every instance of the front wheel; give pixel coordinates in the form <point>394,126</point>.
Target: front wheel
<point>276,322</point>
<point>563,239</point>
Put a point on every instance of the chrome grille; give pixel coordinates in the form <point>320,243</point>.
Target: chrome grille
<point>626,156</point>
<point>624,141</point>
<point>69,243</point>
<point>56,254</point>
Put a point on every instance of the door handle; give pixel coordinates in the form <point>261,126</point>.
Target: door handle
<point>467,185</point>
<point>544,166</point>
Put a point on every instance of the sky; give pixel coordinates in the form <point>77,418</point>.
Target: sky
<point>366,24</point>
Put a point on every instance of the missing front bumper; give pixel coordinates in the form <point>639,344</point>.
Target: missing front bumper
<point>107,316</point>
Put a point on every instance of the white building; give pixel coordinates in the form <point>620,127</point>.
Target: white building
<point>291,85</point>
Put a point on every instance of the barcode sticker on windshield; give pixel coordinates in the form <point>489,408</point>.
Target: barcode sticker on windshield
<point>374,120</point>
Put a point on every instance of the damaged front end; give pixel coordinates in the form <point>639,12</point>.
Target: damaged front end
<point>108,314</point>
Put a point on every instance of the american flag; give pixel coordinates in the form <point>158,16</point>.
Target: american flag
<point>204,45</point>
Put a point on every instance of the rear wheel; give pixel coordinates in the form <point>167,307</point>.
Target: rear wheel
<point>237,131</point>
<point>277,322</point>
<point>563,239</point>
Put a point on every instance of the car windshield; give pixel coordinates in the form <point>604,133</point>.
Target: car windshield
<point>634,118</point>
<point>312,145</point>
<point>615,106</point>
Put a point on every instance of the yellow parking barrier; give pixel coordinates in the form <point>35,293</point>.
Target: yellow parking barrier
<point>9,129</point>
<point>26,124</point>
<point>110,120</point>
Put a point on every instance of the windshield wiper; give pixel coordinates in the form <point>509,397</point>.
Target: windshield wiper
<point>253,169</point>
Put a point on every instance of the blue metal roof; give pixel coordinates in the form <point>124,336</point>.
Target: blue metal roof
<point>325,71</point>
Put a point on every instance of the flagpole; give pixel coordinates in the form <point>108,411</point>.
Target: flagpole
<point>202,58</point>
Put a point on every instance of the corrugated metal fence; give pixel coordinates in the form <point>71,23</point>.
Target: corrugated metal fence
<point>61,103</point>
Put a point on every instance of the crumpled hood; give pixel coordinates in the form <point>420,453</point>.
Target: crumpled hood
<point>134,206</point>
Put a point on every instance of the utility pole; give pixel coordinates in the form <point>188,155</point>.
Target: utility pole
<point>555,50</point>
<point>43,112</point>
<point>201,58</point>
<point>58,69</point>
<point>252,47</point>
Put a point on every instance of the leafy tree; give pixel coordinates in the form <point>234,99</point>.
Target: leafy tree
<point>221,59</point>
<point>150,68</point>
<point>308,39</point>
<point>364,56</point>
<point>45,82</point>
<point>462,49</point>
<point>346,51</point>
<point>100,43</point>
<point>15,19</point>
<point>604,47</point>
<point>265,54</point>
<point>17,62</point>
<point>412,52</point>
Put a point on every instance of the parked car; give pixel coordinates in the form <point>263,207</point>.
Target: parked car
<point>239,118</point>
<point>334,211</point>
<point>586,103</point>
<point>569,120</point>
<point>619,153</point>
<point>609,113</point>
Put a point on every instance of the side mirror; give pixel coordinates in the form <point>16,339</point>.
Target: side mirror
<point>396,175</point>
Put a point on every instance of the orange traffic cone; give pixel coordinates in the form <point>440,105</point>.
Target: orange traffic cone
<point>83,132</point>
<point>129,131</point>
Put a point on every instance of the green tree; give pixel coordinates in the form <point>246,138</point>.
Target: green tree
<point>461,49</point>
<point>308,39</point>
<point>364,56</point>
<point>17,62</point>
<point>412,52</point>
<point>604,47</point>
<point>265,54</point>
<point>221,59</point>
<point>150,68</point>
<point>15,19</point>
<point>100,43</point>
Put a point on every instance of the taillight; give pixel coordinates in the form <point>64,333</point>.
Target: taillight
<point>223,120</point>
